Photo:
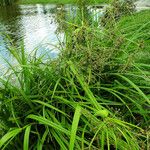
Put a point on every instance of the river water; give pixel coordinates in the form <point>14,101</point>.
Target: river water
<point>142,4</point>
<point>34,26</point>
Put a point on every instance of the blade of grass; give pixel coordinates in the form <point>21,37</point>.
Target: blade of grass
<point>42,140</point>
<point>50,106</point>
<point>74,127</point>
<point>49,123</point>
<point>9,135</point>
<point>26,138</point>
<point>85,86</point>
<point>136,87</point>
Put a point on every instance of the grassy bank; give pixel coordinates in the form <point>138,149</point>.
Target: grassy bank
<point>58,1</point>
<point>96,95</point>
<point>136,28</point>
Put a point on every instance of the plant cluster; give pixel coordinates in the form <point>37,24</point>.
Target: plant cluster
<point>116,10</point>
<point>95,95</point>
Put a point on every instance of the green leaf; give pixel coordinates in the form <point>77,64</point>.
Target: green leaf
<point>102,113</point>
<point>39,147</point>
<point>140,92</point>
<point>85,86</point>
<point>74,127</point>
<point>9,135</point>
<point>49,123</point>
<point>49,106</point>
<point>26,138</point>
<point>60,139</point>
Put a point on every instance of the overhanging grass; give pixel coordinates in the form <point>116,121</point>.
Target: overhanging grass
<point>137,29</point>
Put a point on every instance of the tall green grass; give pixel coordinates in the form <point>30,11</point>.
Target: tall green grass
<point>94,96</point>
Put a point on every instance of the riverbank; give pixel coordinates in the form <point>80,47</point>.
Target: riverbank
<point>95,95</point>
<point>58,1</point>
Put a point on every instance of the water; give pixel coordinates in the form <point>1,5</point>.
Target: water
<point>33,25</point>
<point>142,4</point>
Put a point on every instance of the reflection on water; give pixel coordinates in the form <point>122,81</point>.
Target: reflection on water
<point>33,24</point>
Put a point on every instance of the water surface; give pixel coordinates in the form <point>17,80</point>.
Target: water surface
<point>33,26</point>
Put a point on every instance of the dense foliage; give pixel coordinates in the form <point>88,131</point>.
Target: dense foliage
<point>95,95</point>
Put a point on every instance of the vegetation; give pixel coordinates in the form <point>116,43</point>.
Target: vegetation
<point>116,10</point>
<point>140,23</point>
<point>7,2</point>
<point>96,95</point>
<point>59,1</point>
